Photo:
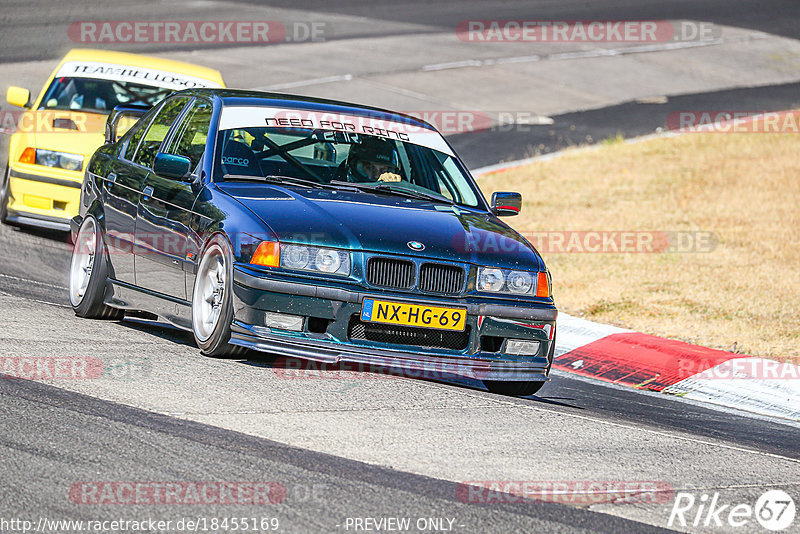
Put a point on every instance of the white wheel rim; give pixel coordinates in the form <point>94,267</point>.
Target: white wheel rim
<point>83,261</point>
<point>209,292</point>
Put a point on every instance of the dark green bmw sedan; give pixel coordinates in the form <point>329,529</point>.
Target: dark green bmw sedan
<point>311,229</point>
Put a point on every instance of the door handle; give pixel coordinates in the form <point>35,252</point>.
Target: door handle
<point>147,192</point>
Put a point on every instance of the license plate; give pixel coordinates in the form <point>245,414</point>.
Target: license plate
<point>382,311</point>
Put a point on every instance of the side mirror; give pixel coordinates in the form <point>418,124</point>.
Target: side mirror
<point>122,116</point>
<point>172,166</point>
<point>506,204</point>
<point>18,96</point>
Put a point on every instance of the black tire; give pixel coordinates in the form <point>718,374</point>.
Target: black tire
<point>513,389</point>
<point>5,190</point>
<point>215,342</point>
<point>89,302</point>
<point>522,389</point>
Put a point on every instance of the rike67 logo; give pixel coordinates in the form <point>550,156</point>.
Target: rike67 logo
<point>774,510</point>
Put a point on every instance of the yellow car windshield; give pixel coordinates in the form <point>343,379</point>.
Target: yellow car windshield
<point>99,96</point>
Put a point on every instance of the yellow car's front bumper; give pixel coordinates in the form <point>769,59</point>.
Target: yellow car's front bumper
<point>39,197</point>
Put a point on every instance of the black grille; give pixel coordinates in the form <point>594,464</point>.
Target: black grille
<point>445,279</point>
<point>387,272</point>
<point>407,335</point>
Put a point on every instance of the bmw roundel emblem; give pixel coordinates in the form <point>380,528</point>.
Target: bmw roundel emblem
<point>415,245</point>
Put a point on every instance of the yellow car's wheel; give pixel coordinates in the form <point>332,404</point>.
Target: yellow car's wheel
<point>5,188</point>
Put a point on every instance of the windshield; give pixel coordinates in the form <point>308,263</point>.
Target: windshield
<point>344,159</point>
<point>99,96</point>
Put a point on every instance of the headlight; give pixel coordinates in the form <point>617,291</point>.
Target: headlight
<point>294,256</point>
<point>519,282</point>
<point>490,279</point>
<point>63,160</point>
<point>510,282</point>
<point>328,261</point>
<point>317,259</point>
<point>47,158</point>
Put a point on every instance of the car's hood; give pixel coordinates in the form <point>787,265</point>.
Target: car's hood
<point>65,131</point>
<point>368,222</point>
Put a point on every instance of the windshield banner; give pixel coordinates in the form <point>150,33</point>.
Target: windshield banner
<point>259,117</point>
<point>130,74</point>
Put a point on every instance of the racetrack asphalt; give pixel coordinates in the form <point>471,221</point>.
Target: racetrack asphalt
<point>379,447</point>
<point>321,490</point>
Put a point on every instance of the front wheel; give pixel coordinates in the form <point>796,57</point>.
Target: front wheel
<point>521,389</point>
<point>5,195</point>
<point>212,302</point>
<point>513,389</point>
<point>88,274</point>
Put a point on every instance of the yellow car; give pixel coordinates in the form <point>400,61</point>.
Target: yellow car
<point>61,129</point>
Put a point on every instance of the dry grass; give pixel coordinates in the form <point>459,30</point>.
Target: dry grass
<point>742,296</point>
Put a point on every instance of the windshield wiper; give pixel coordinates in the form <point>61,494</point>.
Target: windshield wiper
<point>385,188</point>
<point>275,179</point>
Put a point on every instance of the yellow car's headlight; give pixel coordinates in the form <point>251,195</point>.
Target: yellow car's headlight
<point>61,160</point>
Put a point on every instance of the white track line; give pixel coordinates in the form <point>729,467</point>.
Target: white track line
<point>45,284</point>
<point>304,83</point>
<point>588,54</point>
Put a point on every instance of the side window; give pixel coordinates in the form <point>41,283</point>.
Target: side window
<point>190,138</point>
<point>133,140</point>
<point>158,131</point>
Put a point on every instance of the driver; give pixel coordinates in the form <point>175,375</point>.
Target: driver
<point>91,94</point>
<point>373,160</point>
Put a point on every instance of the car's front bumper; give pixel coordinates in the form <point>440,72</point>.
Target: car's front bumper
<point>255,295</point>
<point>37,199</point>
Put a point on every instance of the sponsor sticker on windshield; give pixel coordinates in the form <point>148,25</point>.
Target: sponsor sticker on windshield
<point>131,74</point>
<point>370,124</point>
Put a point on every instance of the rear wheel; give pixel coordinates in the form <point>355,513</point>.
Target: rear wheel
<point>212,302</point>
<point>88,274</point>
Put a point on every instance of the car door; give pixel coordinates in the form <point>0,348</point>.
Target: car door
<point>120,195</point>
<point>165,208</point>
